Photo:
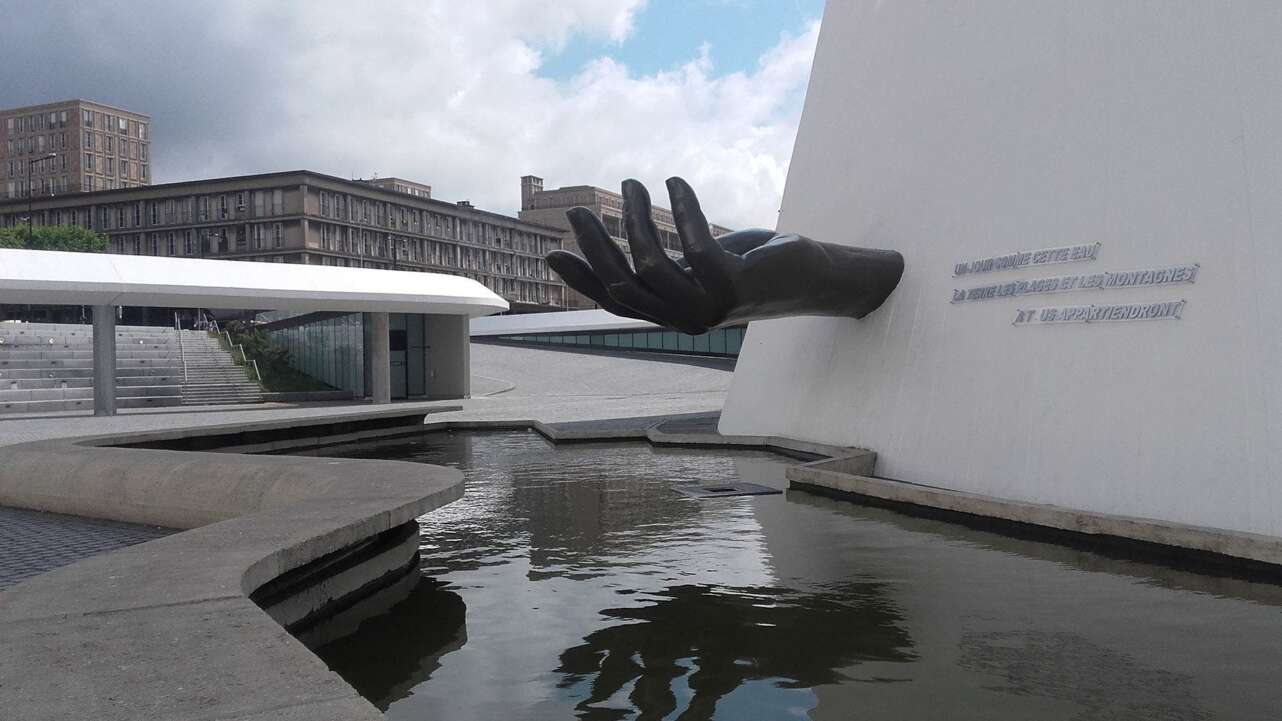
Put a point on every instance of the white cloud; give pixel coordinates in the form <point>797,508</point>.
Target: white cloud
<point>448,93</point>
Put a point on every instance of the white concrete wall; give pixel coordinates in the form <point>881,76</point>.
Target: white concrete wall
<point>955,131</point>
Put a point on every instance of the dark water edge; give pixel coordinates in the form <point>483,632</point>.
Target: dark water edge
<point>577,582</point>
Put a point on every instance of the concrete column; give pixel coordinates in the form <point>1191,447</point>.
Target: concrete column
<point>104,360</point>
<point>379,356</point>
<point>448,361</point>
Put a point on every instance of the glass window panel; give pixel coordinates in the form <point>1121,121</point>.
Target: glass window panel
<point>670,340</point>
<point>612,340</point>
<point>734,340</point>
<point>700,343</point>
<point>685,342</point>
<point>717,341</point>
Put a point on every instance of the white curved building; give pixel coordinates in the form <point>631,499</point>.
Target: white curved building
<point>1087,196</point>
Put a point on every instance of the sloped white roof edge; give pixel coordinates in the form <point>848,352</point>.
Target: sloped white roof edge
<point>560,322</point>
<point>60,278</point>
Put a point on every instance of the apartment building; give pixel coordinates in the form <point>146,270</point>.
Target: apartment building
<point>306,217</point>
<point>71,147</point>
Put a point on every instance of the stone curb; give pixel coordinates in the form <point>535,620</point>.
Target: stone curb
<point>166,630</point>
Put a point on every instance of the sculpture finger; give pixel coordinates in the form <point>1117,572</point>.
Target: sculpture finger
<point>711,265</point>
<point>578,275</point>
<point>611,267</point>
<point>652,264</point>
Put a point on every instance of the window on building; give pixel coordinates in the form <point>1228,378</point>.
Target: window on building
<point>278,238</point>
<point>171,244</point>
<point>88,119</point>
<point>109,145</point>
<point>88,163</point>
<point>111,165</point>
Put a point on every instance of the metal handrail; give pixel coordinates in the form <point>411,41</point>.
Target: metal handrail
<point>244,357</point>
<point>182,354</point>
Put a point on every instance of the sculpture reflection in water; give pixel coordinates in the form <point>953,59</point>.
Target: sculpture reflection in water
<point>721,639</point>
<point>741,276</point>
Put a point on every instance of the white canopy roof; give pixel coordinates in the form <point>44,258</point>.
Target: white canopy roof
<point>563,322</point>
<point>58,278</point>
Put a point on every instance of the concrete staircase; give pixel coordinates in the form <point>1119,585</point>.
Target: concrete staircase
<point>49,367</point>
<point>212,374</point>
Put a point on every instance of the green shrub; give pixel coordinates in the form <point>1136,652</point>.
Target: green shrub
<point>53,237</point>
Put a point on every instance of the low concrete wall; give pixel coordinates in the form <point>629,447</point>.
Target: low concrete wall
<point>306,396</point>
<point>166,630</point>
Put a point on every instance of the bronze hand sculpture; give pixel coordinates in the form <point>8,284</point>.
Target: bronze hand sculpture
<point>742,276</point>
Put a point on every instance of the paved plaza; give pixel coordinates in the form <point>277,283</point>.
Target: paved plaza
<point>527,384</point>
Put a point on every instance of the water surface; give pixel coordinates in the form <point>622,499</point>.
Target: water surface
<point>575,581</point>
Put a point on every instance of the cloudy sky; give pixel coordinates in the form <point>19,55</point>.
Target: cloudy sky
<point>466,96</point>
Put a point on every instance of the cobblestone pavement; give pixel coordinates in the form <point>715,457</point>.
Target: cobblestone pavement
<point>32,542</point>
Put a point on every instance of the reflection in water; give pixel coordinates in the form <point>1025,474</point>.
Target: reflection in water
<point>593,588</point>
<point>718,639</point>
<point>393,648</point>
<point>1069,667</point>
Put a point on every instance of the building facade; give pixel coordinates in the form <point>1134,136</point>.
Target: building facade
<point>71,147</point>
<point>547,207</point>
<point>310,218</point>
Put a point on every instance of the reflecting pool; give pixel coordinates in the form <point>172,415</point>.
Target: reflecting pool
<point>575,581</point>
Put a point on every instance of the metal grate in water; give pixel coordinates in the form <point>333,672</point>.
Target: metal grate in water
<point>723,490</point>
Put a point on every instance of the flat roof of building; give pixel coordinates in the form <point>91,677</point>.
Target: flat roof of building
<point>59,278</point>
<point>60,103</point>
<point>355,185</point>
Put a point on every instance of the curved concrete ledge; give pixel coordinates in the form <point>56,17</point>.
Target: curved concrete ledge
<point>1184,544</point>
<point>166,630</point>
